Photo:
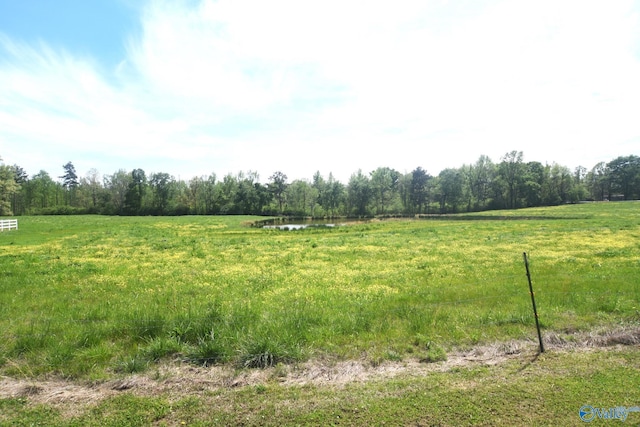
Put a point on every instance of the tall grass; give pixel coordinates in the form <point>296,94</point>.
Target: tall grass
<point>85,296</point>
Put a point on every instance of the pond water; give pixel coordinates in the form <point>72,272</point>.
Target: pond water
<point>300,223</point>
<point>297,226</point>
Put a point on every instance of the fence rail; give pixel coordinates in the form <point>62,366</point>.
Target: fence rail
<point>8,224</point>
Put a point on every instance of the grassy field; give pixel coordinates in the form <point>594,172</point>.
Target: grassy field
<point>93,298</point>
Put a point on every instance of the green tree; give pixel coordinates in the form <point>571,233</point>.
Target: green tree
<point>226,194</point>
<point>278,186</point>
<point>560,185</point>
<point>299,196</point>
<point>69,182</point>
<point>91,193</point>
<point>178,201</point>
<point>598,182</point>
<point>21,175</point>
<point>419,190</point>
<point>624,172</point>
<point>196,191</point>
<point>247,197</point>
<point>481,176</point>
<point>535,176</point>
<point>264,198</point>
<point>333,195</point>
<point>319,184</point>
<point>18,202</point>
<point>8,187</point>
<point>402,192</point>
<point>579,191</point>
<point>511,171</point>
<point>450,182</point>
<point>160,184</point>
<point>136,190</point>
<point>384,183</point>
<point>359,193</point>
<point>210,194</point>
<point>42,191</point>
<point>312,200</point>
<point>117,185</point>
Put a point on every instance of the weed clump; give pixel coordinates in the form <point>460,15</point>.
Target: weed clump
<point>265,352</point>
<point>132,365</point>
<point>160,348</point>
<point>209,351</point>
<point>430,351</point>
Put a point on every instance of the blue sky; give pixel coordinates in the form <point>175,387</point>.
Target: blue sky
<point>96,28</point>
<point>199,87</point>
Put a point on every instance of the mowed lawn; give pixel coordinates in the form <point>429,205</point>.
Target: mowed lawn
<point>87,296</point>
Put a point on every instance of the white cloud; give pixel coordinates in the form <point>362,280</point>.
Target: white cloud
<point>229,85</point>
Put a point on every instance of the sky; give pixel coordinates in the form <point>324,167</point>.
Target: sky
<point>197,87</point>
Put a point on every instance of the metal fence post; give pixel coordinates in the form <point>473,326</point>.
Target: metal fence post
<point>533,301</point>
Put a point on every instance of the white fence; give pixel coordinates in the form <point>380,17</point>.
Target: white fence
<point>8,224</point>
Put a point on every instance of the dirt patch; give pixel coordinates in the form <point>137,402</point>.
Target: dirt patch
<point>179,380</point>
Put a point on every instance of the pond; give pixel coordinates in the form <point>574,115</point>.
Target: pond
<point>287,227</point>
<point>300,223</point>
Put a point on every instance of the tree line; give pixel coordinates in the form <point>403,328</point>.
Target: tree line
<point>483,185</point>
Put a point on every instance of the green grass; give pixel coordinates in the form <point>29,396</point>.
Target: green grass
<point>548,390</point>
<point>93,298</point>
<point>83,297</point>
